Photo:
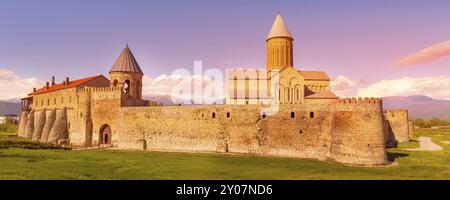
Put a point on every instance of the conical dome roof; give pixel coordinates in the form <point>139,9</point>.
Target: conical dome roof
<point>279,29</point>
<point>126,62</point>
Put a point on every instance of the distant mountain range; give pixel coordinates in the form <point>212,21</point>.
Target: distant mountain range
<point>164,99</point>
<point>419,106</point>
<point>9,107</point>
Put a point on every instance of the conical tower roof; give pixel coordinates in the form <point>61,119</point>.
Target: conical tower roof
<point>126,62</point>
<point>279,29</point>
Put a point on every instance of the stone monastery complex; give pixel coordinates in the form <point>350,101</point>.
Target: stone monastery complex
<point>312,122</point>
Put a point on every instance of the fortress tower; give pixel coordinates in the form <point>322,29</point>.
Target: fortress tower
<point>126,73</point>
<point>279,46</point>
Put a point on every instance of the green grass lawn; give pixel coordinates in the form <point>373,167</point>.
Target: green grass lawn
<point>20,163</point>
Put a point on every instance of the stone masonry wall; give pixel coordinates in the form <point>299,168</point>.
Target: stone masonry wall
<point>59,129</point>
<point>350,131</point>
<point>23,123</point>
<point>398,124</point>
<point>51,116</point>
<point>347,131</point>
<point>29,127</point>
<point>39,124</point>
<point>358,132</point>
<point>411,128</point>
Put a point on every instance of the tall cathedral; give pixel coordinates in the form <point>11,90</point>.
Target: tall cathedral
<point>250,86</point>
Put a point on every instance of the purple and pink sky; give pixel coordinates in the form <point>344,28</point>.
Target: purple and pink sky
<point>368,48</point>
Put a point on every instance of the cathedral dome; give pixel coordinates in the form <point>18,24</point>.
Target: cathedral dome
<point>126,62</point>
<point>279,29</point>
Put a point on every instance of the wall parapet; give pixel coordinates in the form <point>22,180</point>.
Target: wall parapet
<point>396,111</point>
<point>99,89</point>
<point>359,104</point>
<point>351,100</point>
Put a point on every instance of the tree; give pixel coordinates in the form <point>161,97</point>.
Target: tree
<point>431,122</point>
<point>420,123</point>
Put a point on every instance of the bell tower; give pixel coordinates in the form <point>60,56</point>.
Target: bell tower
<point>126,73</point>
<point>279,46</point>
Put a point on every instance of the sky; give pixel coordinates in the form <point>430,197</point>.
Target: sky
<point>368,48</point>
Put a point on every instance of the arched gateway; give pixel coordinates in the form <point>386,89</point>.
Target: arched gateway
<point>105,134</point>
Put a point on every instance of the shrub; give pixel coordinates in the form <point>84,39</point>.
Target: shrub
<point>16,142</point>
<point>9,128</point>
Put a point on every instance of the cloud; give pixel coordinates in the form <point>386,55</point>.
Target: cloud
<point>13,87</point>
<point>427,55</point>
<point>435,87</point>
<point>164,85</point>
<point>343,86</point>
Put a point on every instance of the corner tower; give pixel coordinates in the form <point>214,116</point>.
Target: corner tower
<point>279,46</point>
<point>126,73</point>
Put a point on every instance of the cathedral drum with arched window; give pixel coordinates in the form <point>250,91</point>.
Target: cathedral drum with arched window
<point>127,74</point>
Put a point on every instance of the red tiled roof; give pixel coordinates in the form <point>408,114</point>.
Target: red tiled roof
<point>315,75</point>
<point>60,86</point>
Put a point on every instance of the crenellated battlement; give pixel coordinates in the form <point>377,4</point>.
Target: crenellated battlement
<point>397,112</point>
<point>354,100</point>
<point>99,89</point>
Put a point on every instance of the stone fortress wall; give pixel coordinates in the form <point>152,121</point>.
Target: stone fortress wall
<point>108,98</point>
<point>57,123</point>
<point>45,125</point>
<point>397,126</point>
<point>311,121</point>
<point>411,129</point>
<point>349,131</point>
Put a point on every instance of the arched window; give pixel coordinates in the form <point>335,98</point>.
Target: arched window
<point>115,82</point>
<point>126,87</point>
<point>292,114</point>
<point>279,94</point>
<point>213,115</point>
<point>311,115</point>
<point>247,88</point>
<point>235,89</point>
<point>288,94</point>
<point>228,115</point>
